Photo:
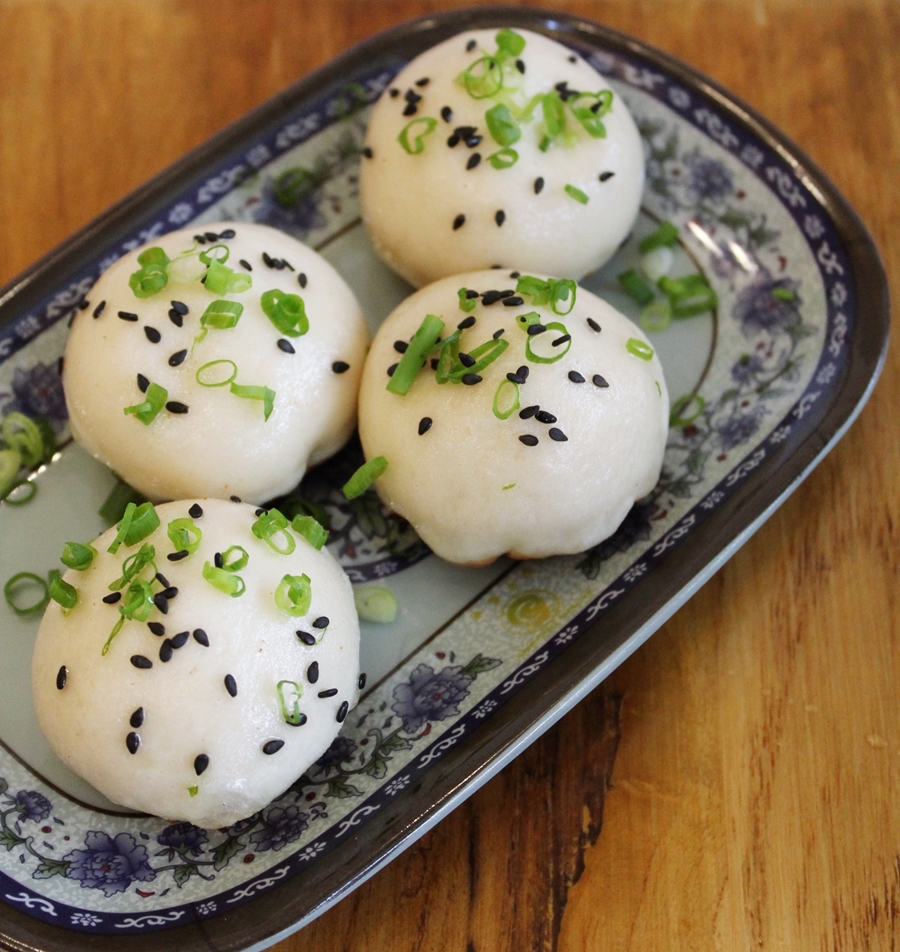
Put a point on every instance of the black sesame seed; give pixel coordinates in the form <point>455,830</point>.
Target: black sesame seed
<point>515,378</point>
<point>218,561</point>
<point>161,602</point>
<point>162,580</point>
<point>575,377</point>
<point>466,322</point>
<point>245,265</point>
<point>425,425</point>
<point>573,59</point>
<point>175,406</point>
<point>235,498</point>
<point>267,260</point>
<point>143,383</point>
<point>543,416</point>
<point>453,140</point>
<point>491,297</point>
<point>342,712</point>
<point>474,159</point>
<point>330,692</point>
<point>287,264</point>
<point>514,301</point>
<point>210,236</point>
<point>561,340</point>
<point>467,360</point>
<point>599,381</point>
<point>522,371</point>
<point>423,81</point>
<point>323,621</point>
<point>556,434</point>
<point>200,239</point>
<point>401,346</point>
<point>112,598</point>
<point>157,628</point>
<point>231,685</point>
<point>500,217</point>
<point>470,46</point>
<point>132,742</point>
<point>179,307</point>
<point>312,672</point>
<point>272,746</point>
<point>176,318</point>
<point>260,512</point>
<point>196,511</point>
<point>59,365</point>
<point>178,556</point>
<point>538,185</point>
<point>411,109</point>
<point>139,661</point>
<point>301,720</point>
<point>498,334</point>
<point>593,325</point>
<point>528,439</point>
<point>128,316</point>
<point>412,96</point>
<point>447,114</point>
<point>470,379</point>
<point>137,718</point>
<point>605,176</point>
<point>165,651</point>
<point>180,640</point>
<point>302,280</point>
<point>83,305</point>
<point>306,637</point>
<point>98,310</point>
<point>535,329</point>
<point>228,233</point>
<point>201,637</point>
<point>472,141</point>
<point>471,294</point>
<point>170,592</point>
<point>528,412</point>
<point>368,153</point>
<point>177,358</point>
<point>340,367</point>
<point>286,346</point>
<point>434,363</point>
<point>361,683</point>
<point>61,677</point>
<point>394,93</point>
<point>520,66</point>
<point>201,762</point>
<point>458,222</point>
<point>391,370</point>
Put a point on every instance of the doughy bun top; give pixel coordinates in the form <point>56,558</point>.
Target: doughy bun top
<point>273,395</point>
<point>499,148</point>
<point>540,451</point>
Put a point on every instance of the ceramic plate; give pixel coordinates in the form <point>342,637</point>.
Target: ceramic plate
<point>479,662</point>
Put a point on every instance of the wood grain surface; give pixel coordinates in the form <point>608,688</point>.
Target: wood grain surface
<point>735,784</point>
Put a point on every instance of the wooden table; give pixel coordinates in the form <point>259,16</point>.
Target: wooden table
<point>736,784</point>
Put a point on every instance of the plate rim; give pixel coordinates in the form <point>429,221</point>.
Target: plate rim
<point>463,769</point>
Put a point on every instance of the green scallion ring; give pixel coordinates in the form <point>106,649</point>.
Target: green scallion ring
<point>216,383</point>
<point>375,603</point>
<point>294,595</point>
<point>562,290</point>
<point>656,316</point>
<point>665,236</point>
<point>416,130</point>
<point>537,358</point>
<point>207,256</point>
<point>222,314</point>
<point>289,695</point>
<point>122,527</point>
<point>224,581</point>
<point>22,434</point>
<point>483,78</point>
<point>639,349</point>
<point>678,417</point>
<point>239,562</point>
<point>286,311</point>
<point>76,555</point>
<point>510,402</point>
<point>10,464</point>
<point>15,589</point>
<point>144,521</point>
<point>21,494</point>
<point>364,477</point>
<point>311,530</point>
<point>504,158</point>
<point>272,528</point>
<point>134,565</point>
<point>64,594</point>
<point>184,535</point>
<point>502,126</point>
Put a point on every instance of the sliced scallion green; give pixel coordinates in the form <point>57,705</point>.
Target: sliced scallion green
<point>134,565</point>
<point>294,595</point>
<point>152,276</point>
<point>504,158</point>
<point>689,295</point>
<point>289,695</point>
<point>64,594</point>
<point>664,236</point>
<point>222,314</point>
<point>416,354</point>
<point>18,588</point>
<point>235,558</point>
<point>76,555</point>
<point>656,316</point>
<point>483,78</point>
<point>502,126</point>
<point>639,348</point>
<point>509,43</point>
<point>207,256</point>
<point>636,287</point>
<point>144,521</point>
<point>506,399</point>
<point>206,376</point>
<point>22,434</point>
<point>554,113</point>
<point>577,194</point>
<point>184,534</point>
<point>10,464</point>
<point>412,136</point>
<point>364,477</point>
<point>589,108</point>
<point>272,528</point>
<point>466,303</point>
<point>286,311</point>
<point>558,352</point>
<point>375,603</point>
<point>484,354</point>
<point>311,530</point>
<point>136,605</point>
<point>223,580</point>
<point>220,279</point>
<point>679,415</point>
<point>256,393</point>
<point>154,400</point>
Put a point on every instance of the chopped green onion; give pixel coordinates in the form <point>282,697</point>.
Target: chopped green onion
<point>256,393</point>
<point>311,530</point>
<point>412,136</point>
<point>590,115</point>
<point>506,399</point>
<point>136,605</point>
<point>509,43</point>
<point>563,350</point>
<point>689,295</point>
<point>10,464</point>
<point>286,311</point>
<point>77,556</point>
<point>17,587</point>
<point>294,595</point>
<point>503,158</point>
<point>483,78</point>
<point>536,288</point>
<point>293,185</point>
<point>21,494</point>
<point>554,112</point>
<point>238,562</point>
<point>64,594</point>
<point>416,354</point>
<point>152,275</point>
<point>577,194</point>
<point>656,316</point>
<point>144,521</point>
<point>206,382</point>
<point>484,355</point>
<point>466,303</point>
<point>364,477</point>
<point>222,314</point>
<point>559,292</point>
<point>184,535</point>
<point>153,257</point>
<point>526,320</point>
<point>636,287</point>
<point>552,292</point>
<point>272,528</point>
<point>783,294</point>
<point>116,502</point>
<point>508,486</point>
<point>122,527</point>
<point>665,236</point>
<point>289,694</point>
<point>678,417</point>
<point>375,603</point>
<point>501,125</point>
<point>223,580</point>
<point>207,256</point>
<point>23,435</point>
<point>134,565</point>
<point>193,790</point>
<point>220,279</point>
<point>448,357</point>
<point>639,349</point>
<point>155,399</point>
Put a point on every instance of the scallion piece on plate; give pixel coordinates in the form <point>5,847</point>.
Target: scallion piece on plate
<point>665,236</point>
<point>375,603</point>
<point>17,589</point>
<point>636,287</point>
<point>64,594</point>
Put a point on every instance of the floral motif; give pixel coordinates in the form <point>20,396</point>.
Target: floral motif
<point>396,785</point>
<point>185,839</point>
<point>430,697</point>
<point>180,214</point>
<point>708,178</point>
<point>635,572</point>
<point>310,852</point>
<point>109,863</point>
<point>768,305</point>
<point>283,822</point>
<point>207,908</point>
<point>341,750</point>
<point>37,392</point>
<point>85,919</point>
<point>32,805</point>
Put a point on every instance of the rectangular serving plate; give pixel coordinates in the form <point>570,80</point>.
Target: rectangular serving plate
<point>846,310</point>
